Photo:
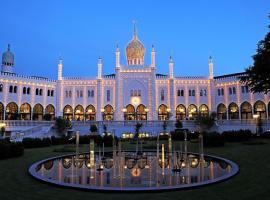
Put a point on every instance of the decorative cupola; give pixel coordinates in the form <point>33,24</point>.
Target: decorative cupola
<point>135,50</point>
<point>7,61</point>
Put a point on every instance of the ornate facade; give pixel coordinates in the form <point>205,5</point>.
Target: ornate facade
<point>134,92</point>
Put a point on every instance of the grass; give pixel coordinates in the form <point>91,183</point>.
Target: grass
<point>253,181</point>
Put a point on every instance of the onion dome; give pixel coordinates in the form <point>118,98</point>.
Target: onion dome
<point>135,50</point>
<point>8,57</point>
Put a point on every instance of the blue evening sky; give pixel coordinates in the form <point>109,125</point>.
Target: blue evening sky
<point>81,31</point>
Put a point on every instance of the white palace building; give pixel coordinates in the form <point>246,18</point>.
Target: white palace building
<point>134,92</point>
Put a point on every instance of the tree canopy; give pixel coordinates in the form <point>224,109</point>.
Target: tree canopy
<point>257,76</point>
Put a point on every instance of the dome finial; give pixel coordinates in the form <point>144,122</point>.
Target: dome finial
<point>135,29</point>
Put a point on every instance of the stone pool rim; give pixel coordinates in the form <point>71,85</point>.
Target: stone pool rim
<point>35,175</point>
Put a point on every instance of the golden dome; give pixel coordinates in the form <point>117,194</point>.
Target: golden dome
<point>135,51</point>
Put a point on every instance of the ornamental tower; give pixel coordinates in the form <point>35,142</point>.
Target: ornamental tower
<point>7,61</point>
<point>135,50</point>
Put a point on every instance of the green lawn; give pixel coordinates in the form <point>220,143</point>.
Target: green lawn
<point>253,181</point>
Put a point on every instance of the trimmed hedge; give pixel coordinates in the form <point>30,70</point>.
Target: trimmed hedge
<point>10,149</point>
<point>85,139</point>
<point>36,142</point>
<point>213,139</point>
<point>237,136</point>
<point>179,134</point>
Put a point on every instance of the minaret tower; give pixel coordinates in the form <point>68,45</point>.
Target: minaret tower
<point>60,69</point>
<point>171,67</point>
<point>117,57</point>
<point>153,57</point>
<point>211,68</point>
<point>7,61</point>
<point>99,68</point>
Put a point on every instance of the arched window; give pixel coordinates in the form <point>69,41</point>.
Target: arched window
<point>233,111</point>
<point>49,112</point>
<point>108,113</point>
<point>260,109</point>
<point>162,96</point>
<point>24,90</point>
<point>79,113</point>
<point>15,89</point>
<point>141,112</point>
<point>28,90</point>
<point>90,113</point>
<point>221,111</point>
<point>203,110</point>
<point>130,112</point>
<point>192,111</point>
<point>48,93</point>
<point>37,91</point>
<point>52,93</point>
<point>25,111</point>
<point>12,111</point>
<point>68,112</point>
<point>180,112</point>
<point>70,94</point>
<point>37,112</point>
<point>40,92</point>
<point>246,110</point>
<point>163,112</point>
<point>1,87</point>
<point>10,89</point>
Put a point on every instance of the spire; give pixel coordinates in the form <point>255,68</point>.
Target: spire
<point>153,48</point>
<point>135,36</point>
<point>117,47</point>
<point>171,60</point>
<point>8,47</point>
<point>211,67</point>
<point>210,59</point>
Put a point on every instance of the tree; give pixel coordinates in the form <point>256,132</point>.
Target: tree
<point>93,128</point>
<point>138,126</point>
<point>205,122</point>
<point>62,124</point>
<point>178,124</point>
<point>257,76</point>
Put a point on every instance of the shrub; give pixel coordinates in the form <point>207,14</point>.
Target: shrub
<point>179,134</point>
<point>60,140</point>
<point>93,128</point>
<point>213,139</point>
<point>237,136</point>
<point>9,150</point>
<point>36,142</point>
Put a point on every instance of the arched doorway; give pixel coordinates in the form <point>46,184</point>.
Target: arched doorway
<point>192,111</point>
<point>246,110</point>
<point>221,111</point>
<point>233,111</point>
<point>141,112</point>
<point>12,111</point>
<point>68,112</point>
<point>180,112</point>
<point>163,112</point>
<point>1,111</point>
<point>38,112</point>
<point>108,113</point>
<point>129,112</point>
<point>260,109</point>
<point>49,112</point>
<point>25,111</point>
<point>203,110</point>
<point>79,113</point>
<point>90,113</point>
